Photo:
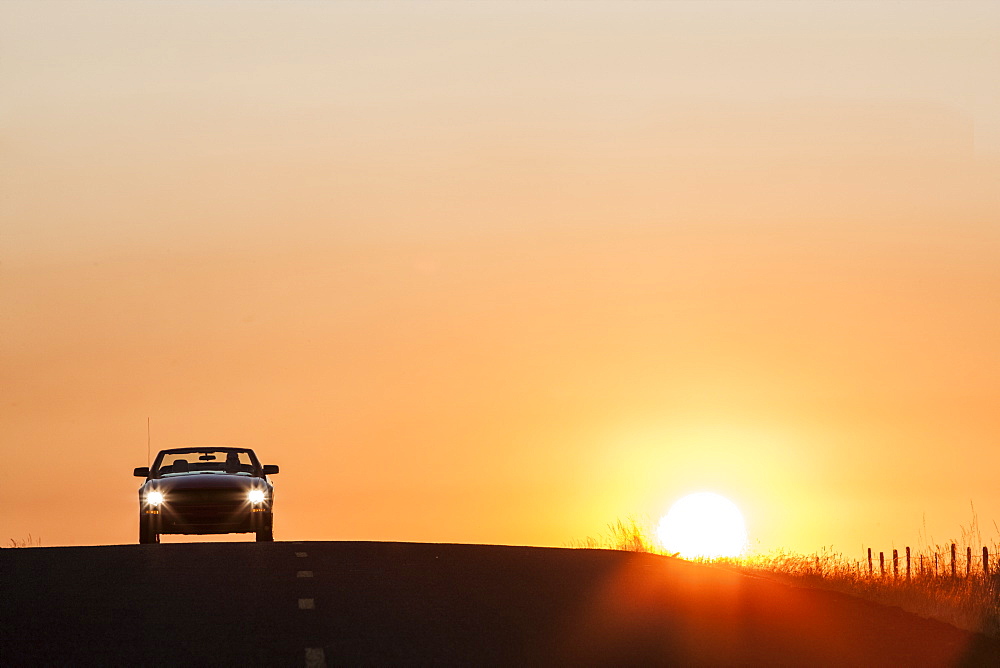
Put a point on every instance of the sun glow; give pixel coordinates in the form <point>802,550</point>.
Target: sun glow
<point>703,524</point>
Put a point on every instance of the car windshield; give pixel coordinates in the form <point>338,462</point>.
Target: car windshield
<point>236,462</point>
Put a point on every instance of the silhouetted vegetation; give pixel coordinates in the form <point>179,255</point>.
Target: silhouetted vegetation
<point>630,535</point>
<point>25,542</point>
<point>964,592</point>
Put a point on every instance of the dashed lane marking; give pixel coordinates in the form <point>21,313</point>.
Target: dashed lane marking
<point>307,604</point>
<point>301,554</point>
<point>304,574</point>
<point>315,657</point>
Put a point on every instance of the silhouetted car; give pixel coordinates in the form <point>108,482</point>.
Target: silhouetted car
<point>204,491</point>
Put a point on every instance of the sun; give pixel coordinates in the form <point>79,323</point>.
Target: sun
<point>704,524</point>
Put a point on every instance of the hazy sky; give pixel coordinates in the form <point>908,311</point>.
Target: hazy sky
<point>505,272</point>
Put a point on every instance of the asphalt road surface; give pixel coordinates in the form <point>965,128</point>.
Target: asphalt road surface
<point>326,603</point>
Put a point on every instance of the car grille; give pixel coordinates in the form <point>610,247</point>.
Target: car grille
<point>207,497</point>
<point>206,506</point>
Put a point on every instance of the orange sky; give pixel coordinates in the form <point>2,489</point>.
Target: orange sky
<point>505,272</point>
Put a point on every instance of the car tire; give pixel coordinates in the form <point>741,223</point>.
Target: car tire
<point>147,534</point>
<point>265,534</point>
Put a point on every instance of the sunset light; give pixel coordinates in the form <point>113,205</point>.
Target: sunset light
<point>561,320</point>
<point>703,524</point>
<point>519,268</point>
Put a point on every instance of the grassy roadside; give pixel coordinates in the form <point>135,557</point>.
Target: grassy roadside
<point>24,542</point>
<point>969,600</point>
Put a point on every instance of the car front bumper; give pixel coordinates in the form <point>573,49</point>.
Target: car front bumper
<point>207,516</point>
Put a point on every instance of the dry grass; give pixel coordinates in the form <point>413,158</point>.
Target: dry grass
<point>25,542</point>
<point>630,535</point>
<point>970,600</point>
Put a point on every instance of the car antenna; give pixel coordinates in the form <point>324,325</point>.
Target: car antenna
<point>147,440</point>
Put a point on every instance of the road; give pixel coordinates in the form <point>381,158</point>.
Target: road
<point>350,603</point>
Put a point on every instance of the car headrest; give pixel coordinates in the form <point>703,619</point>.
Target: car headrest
<point>180,466</point>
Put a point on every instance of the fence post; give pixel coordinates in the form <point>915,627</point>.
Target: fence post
<point>881,562</point>
<point>968,561</point>
<point>895,563</point>
<point>869,561</point>
<point>952,560</point>
<point>986,562</point>
<point>907,563</point>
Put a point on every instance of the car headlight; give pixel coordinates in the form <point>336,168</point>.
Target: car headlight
<point>154,498</point>
<point>256,496</point>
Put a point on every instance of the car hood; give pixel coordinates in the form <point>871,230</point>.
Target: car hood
<point>207,481</point>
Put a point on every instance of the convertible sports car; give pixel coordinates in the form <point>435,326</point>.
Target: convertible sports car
<point>206,490</point>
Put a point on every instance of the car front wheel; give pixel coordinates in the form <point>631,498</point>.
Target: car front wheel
<point>147,533</point>
<point>265,534</point>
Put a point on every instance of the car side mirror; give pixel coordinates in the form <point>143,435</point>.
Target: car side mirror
<point>141,472</point>
<point>270,469</point>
